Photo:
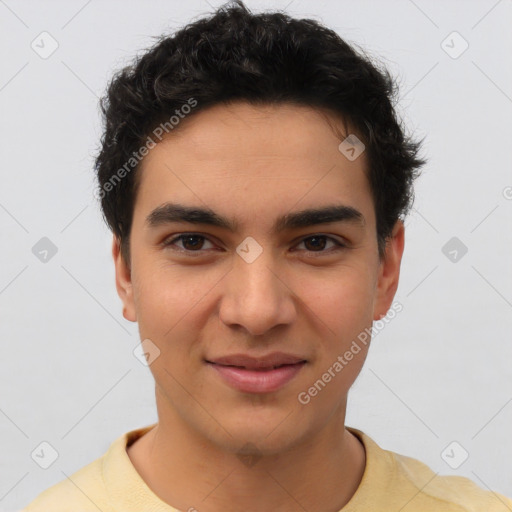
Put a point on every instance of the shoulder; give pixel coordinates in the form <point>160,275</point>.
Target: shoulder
<point>393,481</point>
<point>83,491</point>
<point>446,492</point>
<point>108,483</point>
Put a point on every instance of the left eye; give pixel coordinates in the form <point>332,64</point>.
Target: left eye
<point>195,242</point>
<point>320,241</point>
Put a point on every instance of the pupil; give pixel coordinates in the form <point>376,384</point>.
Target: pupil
<point>322,243</point>
<point>187,239</point>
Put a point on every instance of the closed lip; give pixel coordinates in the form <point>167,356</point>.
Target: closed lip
<point>257,363</point>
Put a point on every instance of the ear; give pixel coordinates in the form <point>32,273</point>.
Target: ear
<point>389,271</point>
<point>123,281</point>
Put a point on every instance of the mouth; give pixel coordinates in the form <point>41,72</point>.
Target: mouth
<point>265,362</point>
<point>264,375</point>
<point>263,369</point>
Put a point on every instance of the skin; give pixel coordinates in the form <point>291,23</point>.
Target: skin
<point>253,164</point>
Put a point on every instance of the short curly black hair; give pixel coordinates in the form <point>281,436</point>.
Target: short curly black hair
<point>266,58</point>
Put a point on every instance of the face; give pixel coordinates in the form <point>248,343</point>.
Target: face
<point>250,277</point>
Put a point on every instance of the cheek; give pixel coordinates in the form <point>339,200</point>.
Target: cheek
<point>341,308</point>
<point>166,294</point>
<point>173,311</point>
<point>342,312</point>
<point>341,300</point>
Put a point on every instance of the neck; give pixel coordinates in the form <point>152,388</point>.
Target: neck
<point>190,472</point>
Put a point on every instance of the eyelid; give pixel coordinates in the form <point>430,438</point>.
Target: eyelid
<point>339,245</point>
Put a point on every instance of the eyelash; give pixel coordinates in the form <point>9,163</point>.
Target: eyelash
<point>170,242</point>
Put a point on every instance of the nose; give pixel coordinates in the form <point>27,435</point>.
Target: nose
<point>257,296</point>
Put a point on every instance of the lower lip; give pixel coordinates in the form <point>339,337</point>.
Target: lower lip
<point>258,381</point>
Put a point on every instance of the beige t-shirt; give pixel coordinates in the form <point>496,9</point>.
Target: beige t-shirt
<point>391,482</point>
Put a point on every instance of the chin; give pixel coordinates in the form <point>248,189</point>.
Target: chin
<point>270,436</point>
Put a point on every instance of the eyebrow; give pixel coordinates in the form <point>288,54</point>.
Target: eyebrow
<point>174,212</point>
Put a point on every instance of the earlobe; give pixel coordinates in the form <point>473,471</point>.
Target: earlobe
<point>124,284</point>
<point>389,271</point>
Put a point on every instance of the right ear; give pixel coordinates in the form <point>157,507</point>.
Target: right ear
<point>123,281</point>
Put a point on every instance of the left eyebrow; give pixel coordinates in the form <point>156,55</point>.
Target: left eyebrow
<point>174,212</point>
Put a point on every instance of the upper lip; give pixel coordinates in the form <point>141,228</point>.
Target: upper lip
<point>266,361</point>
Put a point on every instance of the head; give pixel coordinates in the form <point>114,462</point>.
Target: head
<point>235,129</point>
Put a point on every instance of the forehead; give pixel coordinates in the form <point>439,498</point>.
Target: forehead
<point>252,158</point>
<point>260,131</point>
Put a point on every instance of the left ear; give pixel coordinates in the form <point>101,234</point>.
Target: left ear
<point>389,271</point>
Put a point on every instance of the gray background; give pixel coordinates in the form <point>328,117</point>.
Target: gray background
<point>439,372</point>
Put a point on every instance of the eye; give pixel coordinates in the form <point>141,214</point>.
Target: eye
<point>317,243</point>
<point>191,242</point>
<point>194,243</point>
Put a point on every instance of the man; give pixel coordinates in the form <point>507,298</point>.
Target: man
<point>256,178</point>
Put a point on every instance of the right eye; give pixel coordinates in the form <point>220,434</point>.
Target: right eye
<point>191,242</point>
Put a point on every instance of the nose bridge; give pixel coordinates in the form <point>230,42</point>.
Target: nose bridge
<point>255,275</point>
<point>256,297</point>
